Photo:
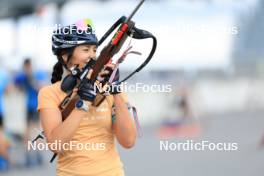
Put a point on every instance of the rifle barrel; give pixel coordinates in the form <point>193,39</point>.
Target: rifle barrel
<point>134,11</point>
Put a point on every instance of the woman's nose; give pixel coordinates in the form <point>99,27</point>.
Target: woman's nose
<point>92,54</point>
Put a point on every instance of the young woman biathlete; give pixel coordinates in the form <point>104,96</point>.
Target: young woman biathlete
<point>89,131</point>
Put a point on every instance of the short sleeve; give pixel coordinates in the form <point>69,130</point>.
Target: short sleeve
<point>47,99</point>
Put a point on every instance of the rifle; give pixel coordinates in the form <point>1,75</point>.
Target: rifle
<point>126,29</point>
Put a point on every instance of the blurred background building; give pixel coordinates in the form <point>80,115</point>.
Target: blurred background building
<point>248,44</point>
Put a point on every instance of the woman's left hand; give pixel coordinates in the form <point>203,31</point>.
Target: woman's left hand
<point>104,76</point>
<point>106,72</point>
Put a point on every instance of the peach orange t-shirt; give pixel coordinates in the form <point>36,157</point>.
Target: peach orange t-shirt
<point>99,156</point>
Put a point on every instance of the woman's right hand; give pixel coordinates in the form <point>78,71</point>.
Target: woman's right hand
<point>87,90</point>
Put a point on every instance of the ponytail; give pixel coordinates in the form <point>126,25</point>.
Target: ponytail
<point>58,67</point>
<point>57,72</point>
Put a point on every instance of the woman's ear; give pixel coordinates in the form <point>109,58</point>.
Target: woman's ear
<point>64,57</point>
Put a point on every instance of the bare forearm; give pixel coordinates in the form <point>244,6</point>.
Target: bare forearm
<point>124,126</point>
<point>65,131</point>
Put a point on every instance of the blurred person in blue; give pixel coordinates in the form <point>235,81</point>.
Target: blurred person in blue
<point>4,144</point>
<point>3,88</point>
<point>30,81</point>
